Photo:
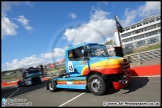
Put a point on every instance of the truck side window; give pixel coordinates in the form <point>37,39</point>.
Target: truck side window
<point>70,55</point>
<point>78,53</point>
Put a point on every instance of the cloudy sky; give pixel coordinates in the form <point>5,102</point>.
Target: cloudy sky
<point>35,33</point>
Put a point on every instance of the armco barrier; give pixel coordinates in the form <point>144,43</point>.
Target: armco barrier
<point>12,83</point>
<point>135,71</point>
<point>4,84</point>
<point>45,78</point>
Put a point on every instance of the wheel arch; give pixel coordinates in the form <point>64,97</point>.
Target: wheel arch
<point>92,73</point>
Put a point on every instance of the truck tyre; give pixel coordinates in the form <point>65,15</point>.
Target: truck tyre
<point>96,84</point>
<point>19,83</point>
<point>52,85</point>
<point>23,83</point>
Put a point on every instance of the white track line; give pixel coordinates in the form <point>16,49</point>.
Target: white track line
<point>71,99</point>
<point>148,76</point>
<point>13,93</point>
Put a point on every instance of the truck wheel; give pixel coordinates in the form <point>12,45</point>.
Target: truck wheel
<point>19,84</point>
<point>96,84</point>
<point>52,85</point>
<point>24,84</point>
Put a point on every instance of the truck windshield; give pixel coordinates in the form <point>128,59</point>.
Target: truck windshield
<point>97,50</point>
<point>31,73</point>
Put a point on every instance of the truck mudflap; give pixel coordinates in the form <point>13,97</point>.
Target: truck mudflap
<point>121,83</point>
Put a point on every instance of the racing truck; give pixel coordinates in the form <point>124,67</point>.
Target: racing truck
<point>89,66</point>
<point>31,76</point>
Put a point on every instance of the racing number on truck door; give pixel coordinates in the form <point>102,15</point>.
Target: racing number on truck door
<point>70,67</point>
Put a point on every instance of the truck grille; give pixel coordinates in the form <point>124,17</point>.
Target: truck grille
<point>35,80</point>
<point>125,67</point>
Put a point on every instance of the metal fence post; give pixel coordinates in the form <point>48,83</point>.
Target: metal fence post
<point>153,54</point>
<point>139,58</point>
<point>129,59</point>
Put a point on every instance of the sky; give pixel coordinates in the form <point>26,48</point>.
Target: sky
<point>35,33</point>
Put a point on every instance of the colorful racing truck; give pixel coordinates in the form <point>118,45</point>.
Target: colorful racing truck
<point>89,66</point>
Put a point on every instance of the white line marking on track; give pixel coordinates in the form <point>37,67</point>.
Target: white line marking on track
<point>13,93</point>
<point>71,99</point>
<point>148,76</point>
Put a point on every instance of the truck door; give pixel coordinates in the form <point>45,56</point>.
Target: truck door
<point>77,61</point>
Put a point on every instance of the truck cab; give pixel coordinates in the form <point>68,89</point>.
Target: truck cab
<point>89,66</point>
<point>30,76</point>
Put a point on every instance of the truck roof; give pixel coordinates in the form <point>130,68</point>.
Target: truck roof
<point>79,45</point>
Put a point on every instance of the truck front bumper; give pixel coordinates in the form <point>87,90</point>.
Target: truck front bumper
<point>122,83</point>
